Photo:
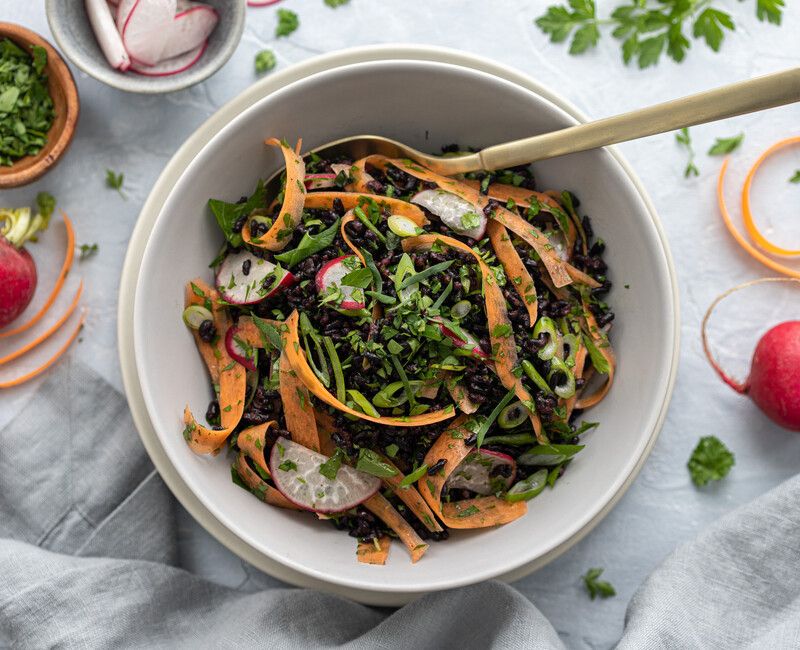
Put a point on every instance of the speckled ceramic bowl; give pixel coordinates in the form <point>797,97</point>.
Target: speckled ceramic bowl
<point>461,105</point>
<point>73,33</point>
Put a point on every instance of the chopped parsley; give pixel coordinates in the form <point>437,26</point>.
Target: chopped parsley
<point>288,466</point>
<point>597,587</point>
<point>87,251</point>
<point>710,461</point>
<point>724,146</point>
<point>115,181</point>
<point>683,138</point>
<point>288,22</point>
<point>265,61</point>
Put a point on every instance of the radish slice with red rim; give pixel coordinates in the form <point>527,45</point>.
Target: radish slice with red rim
<point>261,3</point>
<point>454,212</point>
<point>329,279</point>
<point>319,181</point>
<point>145,27</point>
<point>484,472</point>
<point>241,278</point>
<point>190,29</point>
<point>101,17</point>
<point>171,66</point>
<point>240,351</point>
<point>295,472</point>
<point>461,338</point>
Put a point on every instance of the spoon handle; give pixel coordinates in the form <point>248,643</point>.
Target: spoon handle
<point>728,101</point>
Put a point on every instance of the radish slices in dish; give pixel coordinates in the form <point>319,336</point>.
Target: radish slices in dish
<point>152,37</point>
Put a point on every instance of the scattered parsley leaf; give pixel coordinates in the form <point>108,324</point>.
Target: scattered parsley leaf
<point>87,251</point>
<point>338,3</point>
<point>709,25</point>
<point>796,177</point>
<point>770,11</point>
<point>227,214</point>
<point>39,56</point>
<point>288,466</point>
<point>115,181</point>
<point>710,461</point>
<point>724,146</point>
<point>288,22</point>
<point>597,587</point>
<point>265,61</point>
<point>683,138</point>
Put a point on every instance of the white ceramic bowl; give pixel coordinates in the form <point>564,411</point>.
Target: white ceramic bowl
<point>425,104</point>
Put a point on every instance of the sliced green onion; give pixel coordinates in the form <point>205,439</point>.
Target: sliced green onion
<point>415,476</point>
<point>492,417</point>
<point>599,362</point>
<point>403,226</point>
<point>566,388</point>
<point>511,439</point>
<point>338,375</point>
<point>460,309</point>
<point>405,267</point>
<point>548,455</point>
<point>426,273</point>
<point>572,342</point>
<point>404,378</point>
<point>195,315</point>
<point>528,488</point>
<point>512,415</point>
<point>371,463</point>
<point>363,218</point>
<point>535,377</point>
<point>362,402</point>
<point>547,325</point>
<point>442,296</point>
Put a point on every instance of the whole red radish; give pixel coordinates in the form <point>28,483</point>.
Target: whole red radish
<point>774,381</point>
<point>17,269</point>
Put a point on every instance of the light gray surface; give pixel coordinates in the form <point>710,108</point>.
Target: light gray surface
<point>137,134</point>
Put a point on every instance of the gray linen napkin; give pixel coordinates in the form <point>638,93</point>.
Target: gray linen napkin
<point>88,553</point>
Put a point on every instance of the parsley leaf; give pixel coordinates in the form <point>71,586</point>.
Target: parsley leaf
<point>115,181</point>
<point>288,22</point>
<point>710,461</point>
<point>338,3</point>
<point>796,177</point>
<point>683,138</point>
<point>87,251</point>
<point>597,587</point>
<point>265,61</point>
<point>227,214</point>
<point>709,25</point>
<point>724,146</point>
<point>770,10</point>
<point>309,245</point>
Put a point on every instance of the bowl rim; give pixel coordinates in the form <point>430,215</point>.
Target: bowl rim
<point>152,85</point>
<point>367,593</point>
<point>62,76</point>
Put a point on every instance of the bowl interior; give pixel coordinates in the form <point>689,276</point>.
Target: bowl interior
<point>447,104</point>
<point>61,87</point>
<point>73,33</point>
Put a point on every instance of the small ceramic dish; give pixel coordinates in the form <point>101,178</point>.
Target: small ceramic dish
<point>62,89</point>
<point>73,33</point>
<point>321,108</point>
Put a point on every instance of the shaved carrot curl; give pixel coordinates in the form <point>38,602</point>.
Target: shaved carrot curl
<point>59,282</point>
<point>46,335</point>
<point>747,215</point>
<point>38,371</point>
<point>740,239</point>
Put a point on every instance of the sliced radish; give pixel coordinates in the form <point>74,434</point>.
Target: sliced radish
<point>170,66</point>
<point>145,26</point>
<point>319,181</point>
<point>484,472</point>
<point>237,351</point>
<point>242,288</point>
<point>295,472</point>
<point>190,28</point>
<point>112,7</point>
<point>101,17</point>
<point>457,214</point>
<point>338,168</point>
<point>261,3</point>
<point>462,339</point>
<point>331,274</point>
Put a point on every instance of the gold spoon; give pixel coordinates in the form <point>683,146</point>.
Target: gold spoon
<point>748,96</point>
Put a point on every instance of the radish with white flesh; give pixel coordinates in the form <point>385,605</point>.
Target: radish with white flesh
<point>190,29</point>
<point>237,352</point>
<point>261,3</point>
<point>145,26</point>
<point>296,473</point>
<point>454,212</point>
<point>462,339</point>
<point>18,275</point>
<point>170,66</point>
<point>331,274</point>
<point>241,277</point>
<point>319,181</point>
<point>484,472</point>
<point>101,18</point>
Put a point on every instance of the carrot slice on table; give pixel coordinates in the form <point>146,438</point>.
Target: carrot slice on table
<point>306,375</point>
<point>291,212</point>
<point>252,443</point>
<point>38,371</point>
<point>412,498</point>
<point>747,214</point>
<point>46,335</point>
<point>601,343</point>
<point>385,511</point>
<point>374,552</point>
<point>232,386</point>
<point>480,512</point>
<point>65,267</point>
<point>515,270</point>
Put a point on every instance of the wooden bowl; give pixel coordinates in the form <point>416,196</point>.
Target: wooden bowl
<point>62,89</point>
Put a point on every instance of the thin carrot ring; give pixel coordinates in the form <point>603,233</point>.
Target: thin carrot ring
<point>747,215</point>
<point>38,371</point>
<point>43,337</point>
<point>746,245</point>
<point>58,285</point>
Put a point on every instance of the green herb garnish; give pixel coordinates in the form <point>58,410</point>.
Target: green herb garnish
<point>724,146</point>
<point>86,251</point>
<point>309,245</point>
<point>115,181</point>
<point>683,138</point>
<point>288,466</point>
<point>796,177</point>
<point>489,421</point>
<point>597,587</point>
<point>288,22</point>
<point>227,214</point>
<point>265,61</point>
<point>330,468</point>
<point>371,463</point>
<point>336,3</point>
<point>415,476</point>
<point>710,461</point>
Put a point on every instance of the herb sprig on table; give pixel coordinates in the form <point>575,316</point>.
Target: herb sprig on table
<point>710,461</point>
<point>648,28</point>
<point>26,108</point>
<point>597,587</point>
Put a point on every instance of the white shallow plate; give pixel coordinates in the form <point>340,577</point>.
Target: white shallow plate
<point>294,547</point>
